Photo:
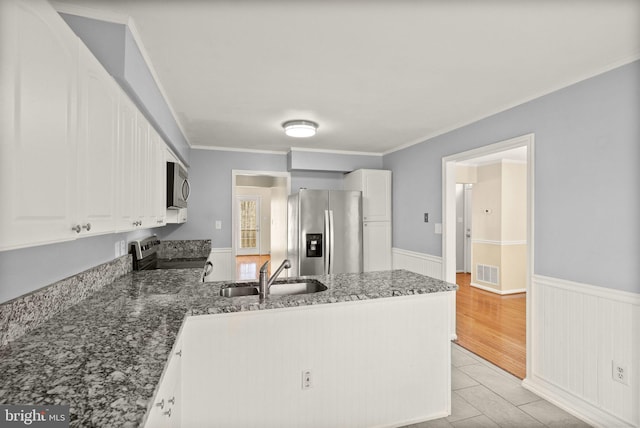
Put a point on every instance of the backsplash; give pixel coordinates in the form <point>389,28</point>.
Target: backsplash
<point>23,314</point>
<point>183,249</point>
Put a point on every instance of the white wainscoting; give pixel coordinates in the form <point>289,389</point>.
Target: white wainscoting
<point>223,265</point>
<point>577,331</point>
<point>424,264</point>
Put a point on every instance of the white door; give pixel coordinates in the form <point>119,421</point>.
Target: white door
<point>468,188</point>
<point>248,211</point>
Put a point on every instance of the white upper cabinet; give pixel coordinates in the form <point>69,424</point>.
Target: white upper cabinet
<point>77,158</point>
<point>127,217</point>
<point>97,147</point>
<point>375,186</point>
<point>38,125</point>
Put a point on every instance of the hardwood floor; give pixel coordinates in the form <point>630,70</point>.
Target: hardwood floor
<point>247,267</point>
<point>492,326</point>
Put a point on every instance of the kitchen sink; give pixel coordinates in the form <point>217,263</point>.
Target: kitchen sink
<point>239,291</point>
<point>302,287</point>
<point>278,288</point>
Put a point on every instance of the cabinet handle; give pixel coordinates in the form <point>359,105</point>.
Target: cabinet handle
<point>172,400</point>
<point>167,413</point>
<point>87,226</point>
<point>179,353</point>
<point>160,404</point>
<point>76,228</point>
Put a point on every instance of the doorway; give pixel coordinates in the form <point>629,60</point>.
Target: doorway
<point>494,275</point>
<point>259,214</point>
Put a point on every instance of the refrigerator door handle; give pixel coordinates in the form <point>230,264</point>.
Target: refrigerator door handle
<point>326,242</point>
<point>331,230</point>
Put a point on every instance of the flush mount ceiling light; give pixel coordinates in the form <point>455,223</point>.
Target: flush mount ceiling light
<point>300,128</point>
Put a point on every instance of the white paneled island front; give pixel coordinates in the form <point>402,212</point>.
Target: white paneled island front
<point>371,351</point>
<point>365,363</point>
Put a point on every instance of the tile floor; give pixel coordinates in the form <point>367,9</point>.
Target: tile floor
<point>486,396</point>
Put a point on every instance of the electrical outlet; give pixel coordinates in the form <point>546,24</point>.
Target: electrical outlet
<point>218,225</point>
<point>306,379</point>
<point>123,247</point>
<point>118,254</point>
<point>426,217</point>
<point>620,373</point>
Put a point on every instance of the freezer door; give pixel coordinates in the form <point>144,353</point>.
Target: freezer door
<point>312,207</point>
<point>345,211</point>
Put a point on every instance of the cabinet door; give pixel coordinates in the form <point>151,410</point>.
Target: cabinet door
<point>376,195</point>
<point>167,402</point>
<point>38,101</point>
<point>140,177</point>
<point>127,146</point>
<point>376,242</point>
<point>158,175</point>
<point>97,145</point>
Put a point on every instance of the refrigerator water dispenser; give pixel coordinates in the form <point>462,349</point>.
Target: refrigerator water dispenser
<point>314,244</point>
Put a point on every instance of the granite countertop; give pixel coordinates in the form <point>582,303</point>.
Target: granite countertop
<point>105,355</point>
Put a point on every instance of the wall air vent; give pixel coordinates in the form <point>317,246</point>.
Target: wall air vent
<point>486,273</point>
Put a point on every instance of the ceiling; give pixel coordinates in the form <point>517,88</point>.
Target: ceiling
<point>375,75</point>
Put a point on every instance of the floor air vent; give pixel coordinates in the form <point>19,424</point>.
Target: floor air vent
<point>486,273</point>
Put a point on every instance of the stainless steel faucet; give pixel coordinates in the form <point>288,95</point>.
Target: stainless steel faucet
<point>263,283</point>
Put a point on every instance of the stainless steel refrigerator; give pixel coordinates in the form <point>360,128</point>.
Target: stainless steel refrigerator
<point>325,232</point>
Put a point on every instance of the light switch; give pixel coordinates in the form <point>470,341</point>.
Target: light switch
<point>438,229</point>
<point>218,224</point>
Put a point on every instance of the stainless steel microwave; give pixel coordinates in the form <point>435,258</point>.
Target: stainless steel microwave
<point>177,186</point>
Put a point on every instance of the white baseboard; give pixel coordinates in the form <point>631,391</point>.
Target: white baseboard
<point>572,404</point>
<point>577,331</point>
<point>424,264</point>
<point>496,291</point>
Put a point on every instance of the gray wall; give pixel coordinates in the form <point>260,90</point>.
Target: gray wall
<point>587,202</point>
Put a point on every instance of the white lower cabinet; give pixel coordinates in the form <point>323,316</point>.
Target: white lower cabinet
<point>165,410</point>
<point>376,242</point>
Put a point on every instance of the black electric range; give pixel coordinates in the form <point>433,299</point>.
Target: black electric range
<point>145,257</point>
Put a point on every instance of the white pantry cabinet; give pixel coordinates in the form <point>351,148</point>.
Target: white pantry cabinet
<point>375,185</point>
<point>376,244</point>
<point>38,128</point>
